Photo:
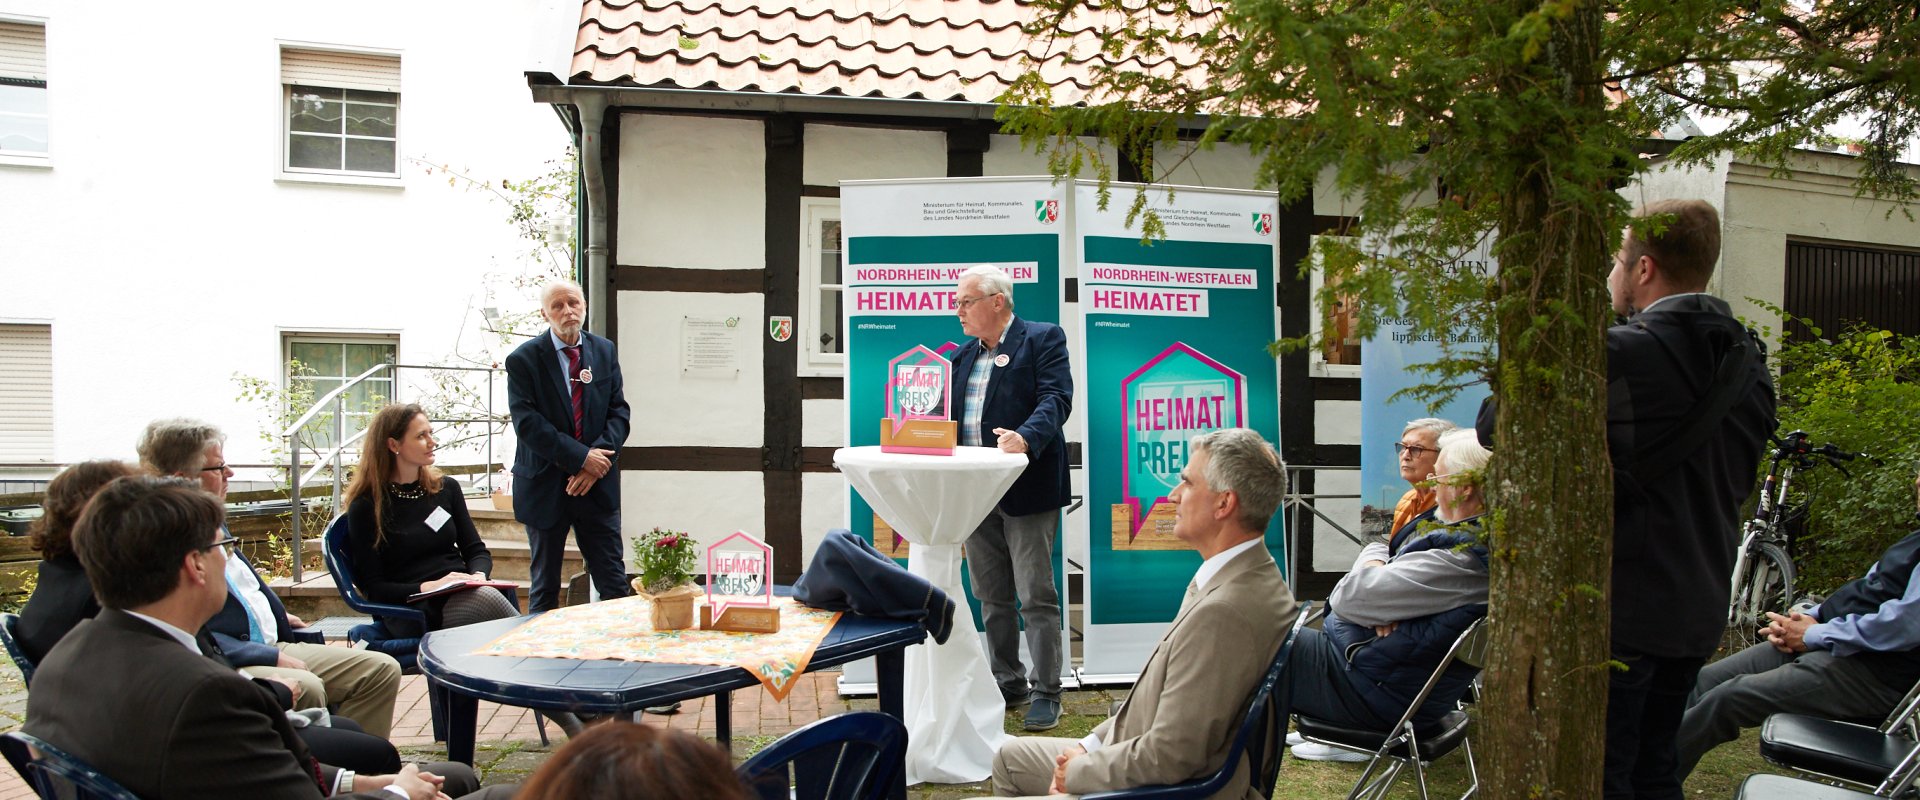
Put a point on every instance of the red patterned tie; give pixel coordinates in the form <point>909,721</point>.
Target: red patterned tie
<point>578,389</point>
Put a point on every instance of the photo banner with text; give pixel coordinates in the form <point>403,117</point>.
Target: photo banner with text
<point>906,244</point>
<point>1176,342</point>
<point>1388,364</point>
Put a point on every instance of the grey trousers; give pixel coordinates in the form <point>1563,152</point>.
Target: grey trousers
<point>1741,690</point>
<point>1010,559</point>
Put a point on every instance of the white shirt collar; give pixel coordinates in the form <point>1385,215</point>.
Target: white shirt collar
<point>1656,304</point>
<point>185,639</point>
<point>1212,566</point>
<point>998,342</point>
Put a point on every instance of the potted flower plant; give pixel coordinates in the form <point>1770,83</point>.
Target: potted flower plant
<point>665,561</point>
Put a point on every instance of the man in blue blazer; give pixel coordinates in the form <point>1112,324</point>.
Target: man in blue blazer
<point>1015,391</point>
<point>571,418</point>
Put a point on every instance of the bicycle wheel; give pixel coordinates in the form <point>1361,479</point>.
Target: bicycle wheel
<point>1768,588</point>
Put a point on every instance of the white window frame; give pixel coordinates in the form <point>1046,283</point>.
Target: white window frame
<point>814,211</point>
<point>29,158</point>
<point>288,337</point>
<point>289,174</point>
<point>1317,365</point>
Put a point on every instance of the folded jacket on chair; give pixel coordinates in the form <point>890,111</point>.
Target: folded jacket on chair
<point>848,574</point>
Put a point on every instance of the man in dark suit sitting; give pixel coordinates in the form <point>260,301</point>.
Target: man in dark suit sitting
<point>1015,391</point>
<point>570,417</point>
<point>131,693</point>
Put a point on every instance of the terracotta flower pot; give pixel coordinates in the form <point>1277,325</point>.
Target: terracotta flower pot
<point>672,609</point>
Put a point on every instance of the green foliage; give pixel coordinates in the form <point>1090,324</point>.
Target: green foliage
<point>664,559</point>
<point>281,404</point>
<point>1861,391</point>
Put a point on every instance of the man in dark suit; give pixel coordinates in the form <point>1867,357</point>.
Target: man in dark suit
<point>571,418</point>
<point>1689,406</point>
<point>1016,391</point>
<point>132,693</point>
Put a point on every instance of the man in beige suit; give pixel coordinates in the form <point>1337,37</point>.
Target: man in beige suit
<point>1180,719</point>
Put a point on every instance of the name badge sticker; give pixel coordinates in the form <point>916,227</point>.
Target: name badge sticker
<point>438,518</point>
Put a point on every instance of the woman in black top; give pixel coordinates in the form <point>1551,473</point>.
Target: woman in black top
<point>409,532</point>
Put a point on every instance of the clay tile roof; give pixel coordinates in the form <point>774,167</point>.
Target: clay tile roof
<point>961,50</point>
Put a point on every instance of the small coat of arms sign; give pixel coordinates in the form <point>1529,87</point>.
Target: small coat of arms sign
<point>780,328</point>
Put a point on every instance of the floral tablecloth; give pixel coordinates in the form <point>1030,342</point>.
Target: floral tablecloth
<point>618,629</point>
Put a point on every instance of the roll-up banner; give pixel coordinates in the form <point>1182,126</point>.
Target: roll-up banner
<point>907,241</point>
<point>1176,335</point>
<point>1388,364</point>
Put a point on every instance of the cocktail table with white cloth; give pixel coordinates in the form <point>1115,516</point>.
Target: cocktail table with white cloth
<point>955,716</point>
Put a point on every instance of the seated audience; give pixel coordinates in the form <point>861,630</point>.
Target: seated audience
<point>130,691</point>
<point>1418,448</point>
<point>409,532</point>
<point>621,760</point>
<point>1854,657</point>
<point>1394,616</point>
<point>254,630</point>
<point>62,598</point>
<point>1179,721</point>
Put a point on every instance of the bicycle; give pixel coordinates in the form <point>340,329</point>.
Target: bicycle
<point>1763,573</point>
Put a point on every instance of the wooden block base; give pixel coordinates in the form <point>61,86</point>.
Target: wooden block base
<point>741,619</point>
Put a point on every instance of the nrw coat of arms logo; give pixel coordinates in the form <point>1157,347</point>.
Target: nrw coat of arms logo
<point>1262,223</point>
<point>780,328</point>
<point>1046,211</point>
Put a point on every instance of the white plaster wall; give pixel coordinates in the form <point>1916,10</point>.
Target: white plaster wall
<point>1332,550</point>
<point>671,410</point>
<point>1005,158</point>
<point>823,423</point>
<point>1223,166</point>
<point>692,192</point>
<point>167,256</point>
<point>1336,422</point>
<point>823,507</point>
<point>709,505</point>
<point>836,153</point>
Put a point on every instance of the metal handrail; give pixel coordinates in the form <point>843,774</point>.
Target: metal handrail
<point>334,458</point>
<point>1294,500</point>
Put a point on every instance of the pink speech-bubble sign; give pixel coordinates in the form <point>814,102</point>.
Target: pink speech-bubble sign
<point>1177,349</point>
<point>930,373</point>
<point>732,562</point>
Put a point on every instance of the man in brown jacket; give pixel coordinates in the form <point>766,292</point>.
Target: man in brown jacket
<point>1180,718</point>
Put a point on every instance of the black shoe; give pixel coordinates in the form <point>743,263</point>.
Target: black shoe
<point>1015,700</point>
<point>1043,715</point>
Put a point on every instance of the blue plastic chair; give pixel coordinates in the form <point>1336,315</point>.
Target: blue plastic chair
<point>404,650</point>
<point>9,628</point>
<point>851,756</point>
<point>55,775</point>
<point>1261,732</point>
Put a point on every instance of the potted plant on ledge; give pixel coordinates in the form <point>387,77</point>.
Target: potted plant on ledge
<point>665,562</point>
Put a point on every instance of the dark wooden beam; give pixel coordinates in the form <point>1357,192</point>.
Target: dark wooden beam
<point>823,389</point>
<point>781,387</point>
<point>674,279</point>
<point>693,459</point>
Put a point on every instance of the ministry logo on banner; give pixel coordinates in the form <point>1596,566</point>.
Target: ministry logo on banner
<point>1262,223</point>
<point>1046,211</point>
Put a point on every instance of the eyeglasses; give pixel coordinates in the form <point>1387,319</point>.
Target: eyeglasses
<point>1402,447</point>
<point>221,468</point>
<point>967,302</point>
<point>222,543</point>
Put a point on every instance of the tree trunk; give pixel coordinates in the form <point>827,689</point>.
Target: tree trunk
<point>1542,724</point>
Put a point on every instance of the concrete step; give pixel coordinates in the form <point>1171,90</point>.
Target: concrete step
<point>494,523</point>
<point>512,558</point>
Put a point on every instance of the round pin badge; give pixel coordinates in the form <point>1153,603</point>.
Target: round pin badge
<point>1001,360</point>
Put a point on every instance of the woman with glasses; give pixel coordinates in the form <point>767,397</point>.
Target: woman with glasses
<point>409,533</point>
<point>1392,619</point>
<point>1417,449</point>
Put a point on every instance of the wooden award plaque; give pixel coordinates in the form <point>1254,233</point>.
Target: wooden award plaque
<point>927,437</point>
<point>741,619</point>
